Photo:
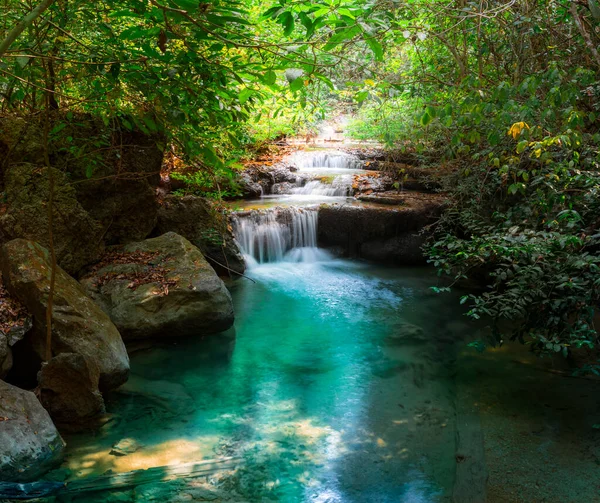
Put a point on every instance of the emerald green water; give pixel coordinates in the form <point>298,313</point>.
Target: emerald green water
<point>340,384</point>
<point>312,389</point>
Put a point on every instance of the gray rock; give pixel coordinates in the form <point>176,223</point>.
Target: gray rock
<point>205,227</point>
<point>283,174</point>
<point>78,324</point>
<point>190,299</point>
<point>68,386</point>
<point>29,443</point>
<point>77,236</point>
<point>282,188</point>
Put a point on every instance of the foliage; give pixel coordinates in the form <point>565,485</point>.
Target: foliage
<point>193,71</point>
<point>509,93</point>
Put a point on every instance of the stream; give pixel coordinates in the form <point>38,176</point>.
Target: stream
<point>344,381</point>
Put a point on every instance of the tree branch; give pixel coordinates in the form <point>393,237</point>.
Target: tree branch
<point>24,23</point>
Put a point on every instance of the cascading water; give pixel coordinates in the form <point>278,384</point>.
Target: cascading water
<point>329,173</point>
<point>336,159</point>
<point>279,234</point>
<point>340,186</point>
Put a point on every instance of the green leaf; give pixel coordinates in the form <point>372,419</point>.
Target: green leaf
<point>376,48</point>
<point>521,146</point>
<point>224,20</point>
<point>362,96</point>
<point>270,78</point>
<point>297,84</point>
<point>342,36</point>
<point>22,61</point>
<point>426,119</point>
<point>189,5</point>
<point>288,23</point>
<point>244,95</point>
<point>210,156</point>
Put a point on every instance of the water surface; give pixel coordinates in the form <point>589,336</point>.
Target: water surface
<point>326,389</point>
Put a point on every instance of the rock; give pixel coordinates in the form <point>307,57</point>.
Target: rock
<point>77,236</point>
<point>407,333</point>
<point>21,140</point>
<point>125,446</point>
<point>256,181</point>
<point>282,174</point>
<point>386,234</point>
<point>177,293</point>
<point>9,339</point>
<point>78,324</point>
<point>249,188</point>
<point>124,179</point>
<point>282,188</point>
<point>29,443</point>
<point>205,227</point>
<point>170,396</point>
<point>404,249</point>
<point>68,386</point>
<point>6,358</point>
<point>391,199</point>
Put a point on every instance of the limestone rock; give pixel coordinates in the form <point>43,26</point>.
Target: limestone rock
<point>176,293</point>
<point>78,324</point>
<point>29,443</point>
<point>282,188</point>
<point>193,218</point>
<point>77,236</point>
<point>68,386</point>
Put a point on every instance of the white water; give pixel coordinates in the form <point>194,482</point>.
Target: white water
<point>329,172</point>
<point>278,235</point>
<point>336,159</point>
<point>340,186</point>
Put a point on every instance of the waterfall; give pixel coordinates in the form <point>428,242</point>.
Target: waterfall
<point>333,159</point>
<point>340,186</point>
<point>278,234</point>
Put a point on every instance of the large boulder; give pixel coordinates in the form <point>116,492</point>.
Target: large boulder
<point>78,324</point>
<point>115,165</point>
<point>205,227</point>
<point>124,179</point>
<point>161,287</point>
<point>68,386</point>
<point>380,233</point>
<point>77,236</point>
<point>29,443</point>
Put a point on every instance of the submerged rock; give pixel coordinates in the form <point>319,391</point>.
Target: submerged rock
<point>68,386</point>
<point>77,236</point>
<point>78,324</point>
<point>174,293</point>
<point>125,447</point>
<point>205,227</point>
<point>406,333</point>
<point>29,443</point>
<point>170,396</point>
